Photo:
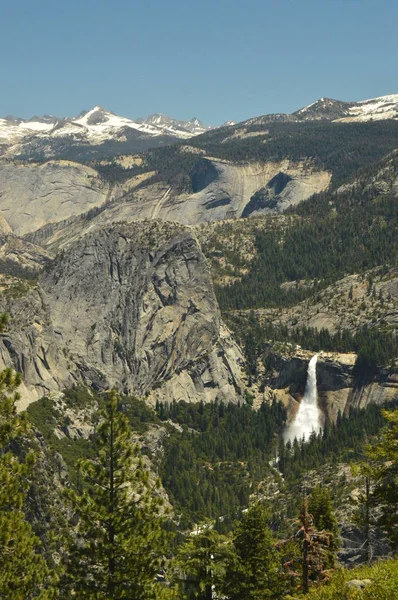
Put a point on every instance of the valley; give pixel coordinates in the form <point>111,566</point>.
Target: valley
<point>220,279</point>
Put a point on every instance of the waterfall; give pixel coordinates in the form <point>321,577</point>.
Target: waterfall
<point>308,416</point>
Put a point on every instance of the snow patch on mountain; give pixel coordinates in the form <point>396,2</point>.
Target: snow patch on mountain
<point>14,129</point>
<point>384,107</point>
<point>93,127</point>
<point>381,108</point>
<point>100,123</point>
<point>176,127</point>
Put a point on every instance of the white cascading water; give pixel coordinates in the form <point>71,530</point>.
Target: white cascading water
<point>308,418</point>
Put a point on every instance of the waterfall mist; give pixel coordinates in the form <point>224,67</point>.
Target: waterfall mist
<point>308,418</point>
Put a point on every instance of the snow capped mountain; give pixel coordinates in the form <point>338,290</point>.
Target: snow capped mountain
<point>182,129</point>
<point>12,128</point>
<point>100,133</point>
<point>42,136</point>
<point>327,109</point>
<point>101,123</point>
<point>383,107</point>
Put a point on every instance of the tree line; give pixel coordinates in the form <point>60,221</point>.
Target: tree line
<point>375,348</point>
<point>339,234</point>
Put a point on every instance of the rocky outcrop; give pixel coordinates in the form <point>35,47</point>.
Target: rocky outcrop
<point>382,390</point>
<point>226,190</point>
<point>287,372</point>
<point>222,191</point>
<point>338,391</point>
<point>32,195</point>
<point>217,376</point>
<point>346,304</point>
<point>30,344</point>
<point>131,306</point>
<point>19,257</point>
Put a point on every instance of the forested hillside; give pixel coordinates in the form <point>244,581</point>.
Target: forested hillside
<point>331,236</point>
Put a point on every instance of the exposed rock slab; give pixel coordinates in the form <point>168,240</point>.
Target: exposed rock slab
<point>18,256</point>
<point>222,190</point>
<point>227,190</point>
<point>30,344</point>
<point>337,389</point>
<point>32,195</point>
<point>128,305</point>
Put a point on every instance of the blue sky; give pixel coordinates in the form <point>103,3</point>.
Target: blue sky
<point>216,60</point>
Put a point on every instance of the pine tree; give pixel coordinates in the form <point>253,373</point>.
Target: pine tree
<point>24,574</point>
<point>120,539</point>
<point>321,508</point>
<point>365,513</point>
<point>253,571</point>
<point>315,548</point>
<point>382,468</point>
<point>201,561</point>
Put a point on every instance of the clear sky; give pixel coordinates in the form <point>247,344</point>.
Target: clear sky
<point>217,60</point>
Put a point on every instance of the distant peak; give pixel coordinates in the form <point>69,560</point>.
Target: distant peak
<point>94,116</point>
<point>96,108</point>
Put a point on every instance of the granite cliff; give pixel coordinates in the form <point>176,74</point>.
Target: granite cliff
<point>338,389</point>
<point>159,324</point>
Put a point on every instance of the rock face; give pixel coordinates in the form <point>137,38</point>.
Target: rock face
<point>36,194</point>
<point>288,372</point>
<point>222,191</point>
<point>30,344</point>
<point>18,256</point>
<point>130,306</point>
<point>339,391</point>
<point>337,388</point>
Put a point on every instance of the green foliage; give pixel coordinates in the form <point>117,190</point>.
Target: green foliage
<point>254,570</point>
<point>172,166</point>
<point>120,538</point>
<point>316,554</point>
<point>340,442</point>
<point>211,467</point>
<point>375,348</point>
<point>342,148</point>
<point>79,397</point>
<point>18,288</point>
<point>24,574</point>
<point>113,172</point>
<point>45,417</point>
<point>138,413</point>
<point>321,508</point>
<point>332,235</point>
<point>382,575</point>
<point>201,562</point>
<point>4,320</point>
<point>383,470</point>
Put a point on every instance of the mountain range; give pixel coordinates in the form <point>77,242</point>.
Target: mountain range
<point>90,173</point>
<point>197,270</point>
<point>99,132</point>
